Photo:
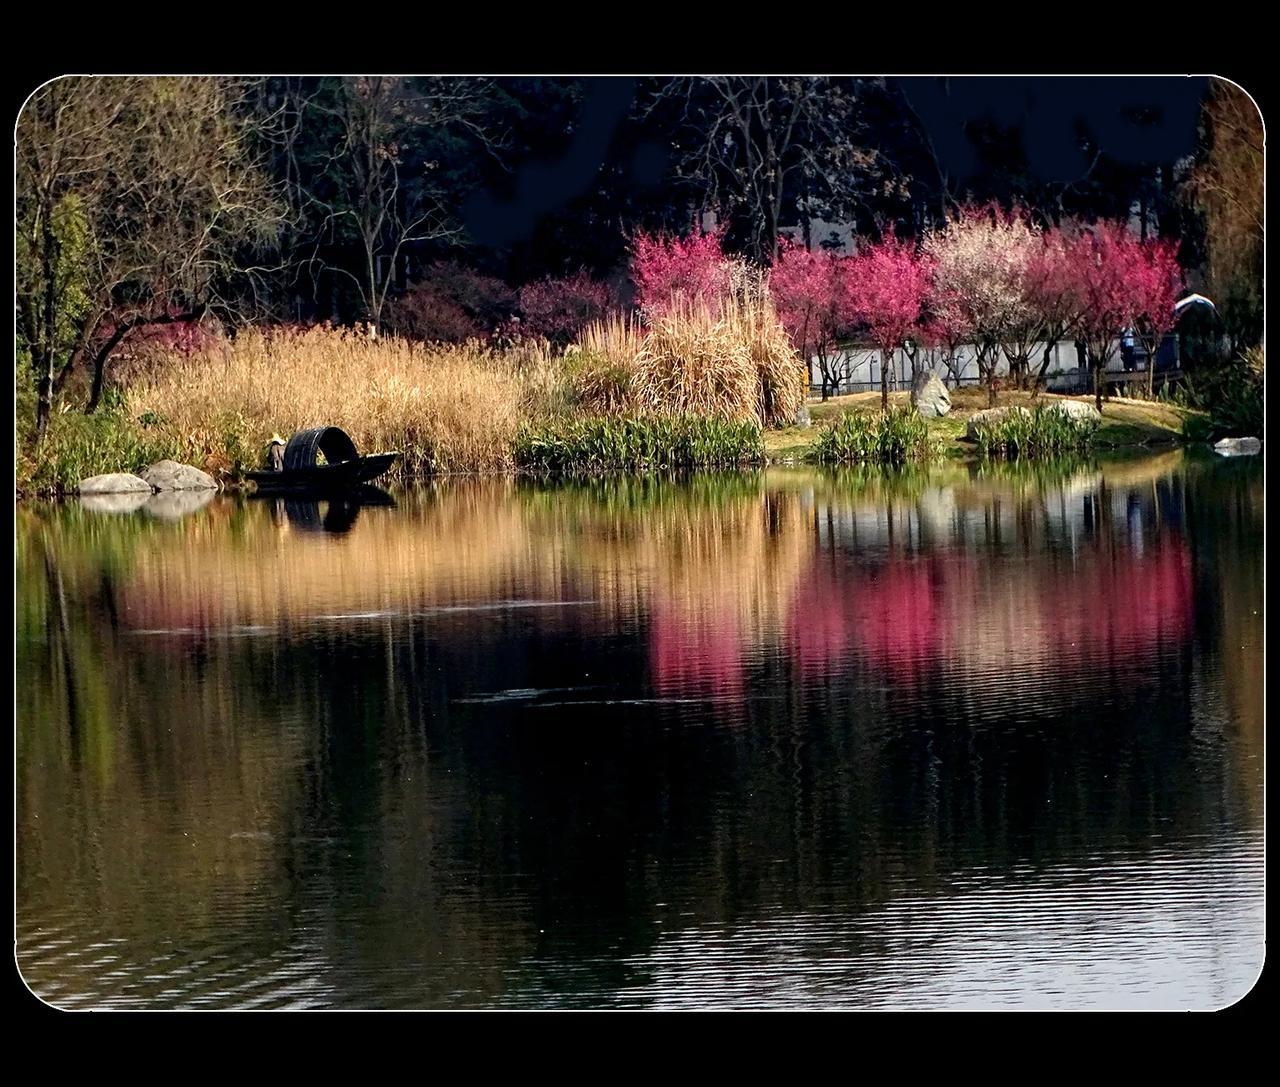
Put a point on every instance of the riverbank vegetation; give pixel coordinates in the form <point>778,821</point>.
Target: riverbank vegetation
<point>343,288</point>
<point>891,437</point>
<point>638,444</point>
<point>1041,432</point>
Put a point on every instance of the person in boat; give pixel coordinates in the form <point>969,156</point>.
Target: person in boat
<point>276,450</point>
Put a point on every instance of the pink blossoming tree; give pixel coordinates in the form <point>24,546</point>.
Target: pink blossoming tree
<point>666,269</point>
<point>1155,281</point>
<point>1053,286</point>
<point>813,303</point>
<point>887,285</point>
<point>1104,256</point>
<point>979,259</point>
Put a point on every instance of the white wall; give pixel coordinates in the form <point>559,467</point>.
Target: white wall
<point>864,364</point>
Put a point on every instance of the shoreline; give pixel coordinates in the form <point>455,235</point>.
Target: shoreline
<point>1128,426</point>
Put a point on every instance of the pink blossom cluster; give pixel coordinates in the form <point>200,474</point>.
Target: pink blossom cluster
<point>666,268</point>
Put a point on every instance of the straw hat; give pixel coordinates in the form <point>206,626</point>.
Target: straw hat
<point>276,440</point>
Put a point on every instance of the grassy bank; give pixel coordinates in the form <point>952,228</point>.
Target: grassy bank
<point>637,444</point>
<point>619,400</point>
<point>694,389</point>
<point>1125,423</point>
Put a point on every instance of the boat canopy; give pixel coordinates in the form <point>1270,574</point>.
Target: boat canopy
<point>303,447</point>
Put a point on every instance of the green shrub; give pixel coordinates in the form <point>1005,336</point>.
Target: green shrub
<point>1197,428</point>
<point>894,437</point>
<point>1231,395</point>
<point>1043,432</point>
<point>634,443</point>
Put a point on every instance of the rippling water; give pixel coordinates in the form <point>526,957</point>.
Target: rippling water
<point>951,739</point>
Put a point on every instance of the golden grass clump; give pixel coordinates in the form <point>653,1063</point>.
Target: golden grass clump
<point>601,366</point>
<point>782,380</point>
<point>733,361</point>
<point>450,407</point>
<point>695,361</point>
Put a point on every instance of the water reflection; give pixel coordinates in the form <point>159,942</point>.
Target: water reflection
<point>175,505</point>
<point>731,739</point>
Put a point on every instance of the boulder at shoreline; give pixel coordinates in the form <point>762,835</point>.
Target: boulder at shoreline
<point>169,475</point>
<point>1075,409</point>
<point>930,395</point>
<point>114,483</point>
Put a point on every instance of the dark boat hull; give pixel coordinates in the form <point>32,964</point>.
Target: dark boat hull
<point>322,478</point>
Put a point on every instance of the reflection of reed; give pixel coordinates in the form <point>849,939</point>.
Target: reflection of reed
<point>473,545</point>
<point>713,563</point>
<point>720,581</point>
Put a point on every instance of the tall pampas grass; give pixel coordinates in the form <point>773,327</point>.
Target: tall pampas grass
<point>782,381</point>
<point>601,366</point>
<point>730,360</point>
<point>695,362</point>
<point>444,407</point>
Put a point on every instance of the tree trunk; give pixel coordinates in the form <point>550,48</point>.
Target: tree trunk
<point>1151,369</point>
<point>47,349</point>
<point>884,380</point>
<point>100,360</point>
<point>44,405</point>
<point>1040,379</point>
<point>103,355</point>
<point>99,379</point>
<point>1097,384</point>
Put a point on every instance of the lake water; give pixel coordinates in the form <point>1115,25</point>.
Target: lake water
<point>951,739</point>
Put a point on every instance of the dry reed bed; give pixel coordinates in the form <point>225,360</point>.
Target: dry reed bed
<point>732,361</point>
<point>445,408</point>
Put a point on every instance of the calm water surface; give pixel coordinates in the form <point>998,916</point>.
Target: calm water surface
<point>957,739</point>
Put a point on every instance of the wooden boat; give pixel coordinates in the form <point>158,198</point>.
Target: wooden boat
<point>344,467</point>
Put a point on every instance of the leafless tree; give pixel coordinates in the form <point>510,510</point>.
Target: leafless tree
<point>138,202</point>
<point>372,183</point>
<point>750,143</point>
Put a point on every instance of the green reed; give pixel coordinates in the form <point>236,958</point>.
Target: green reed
<point>893,437</point>
<point>1043,432</point>
<point>637,443</point>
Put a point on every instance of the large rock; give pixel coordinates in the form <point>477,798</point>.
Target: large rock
<point>803,418</point>
<point>169,475</point>
<point>991,415</point>
<point>1238,447</point>
<point>115,483</point>
<point>1075,409</point>
<point>929,395</point>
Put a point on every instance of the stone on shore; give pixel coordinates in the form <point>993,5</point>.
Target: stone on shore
<point>803,418</point>
<point>930,395</point>
<point>1075,409</point>
<point>115,483</point>
<point>169,475</point>
<point>991,415</point>
<point>1238,447</point>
